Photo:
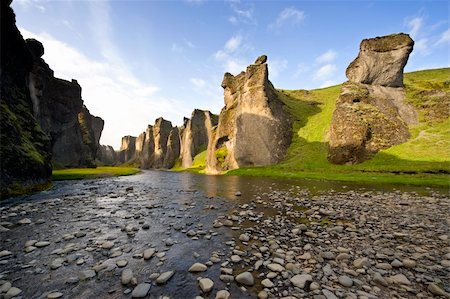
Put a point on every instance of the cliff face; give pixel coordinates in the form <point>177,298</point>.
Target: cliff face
<point>196,134</point>
<point>59,109</point>
<point>127,152</point>
<point>253,128</point>
<point>25,150</point>
<point>370,113</point>
<point>106,155</point>
<point>173,148</point>
<point>161,131</point>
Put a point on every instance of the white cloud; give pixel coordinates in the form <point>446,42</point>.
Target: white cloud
<point>232,56</point>
<point>241,14</point>
<point>189,43</point>
<point>421,46</point>
<point>445,38</point>
<point>415,25</point>
<point>233,43</point>
<point>31,4</point>
<point>198,82</point>
<point>276,66</point>
<point>289,15</point>
<point>110,90</point>
<point>328,56</point>
<point>324,72</point>
<point>302,68</point>
<point>176,48</point>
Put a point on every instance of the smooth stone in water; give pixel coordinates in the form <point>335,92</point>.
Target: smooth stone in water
<point>206,285</point>
<point>141,290</point>
<point>275,267</point>
<point>163,278</point>
<point>86,274</point>
<point>126,276</point>
<point>148,253</point>
<point>12,292</point>
<point>41,244</point>
<point>121,263</point>
<point>4,253</point>
<point>55,295</point>
<point>198,267</point>
<point>223,294</point>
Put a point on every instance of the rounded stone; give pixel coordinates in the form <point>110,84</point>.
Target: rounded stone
<point>245,278</point>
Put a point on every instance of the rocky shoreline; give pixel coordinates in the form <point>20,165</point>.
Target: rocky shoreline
<point>147,237</point>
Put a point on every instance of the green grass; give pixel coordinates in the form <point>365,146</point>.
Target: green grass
<point>198,164</point>
<point>89,173</point>
<point>419,161</point>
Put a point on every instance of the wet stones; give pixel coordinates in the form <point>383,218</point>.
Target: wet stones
<point>126,276</point>
<point>206,285</point>
<point>141,290</point>
<point>148,253</point>
<point>86,274</point>
<point>300,280</point>
<point>164,277</point>
<point>198,267</point>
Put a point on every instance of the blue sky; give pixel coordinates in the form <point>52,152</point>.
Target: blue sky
<point>138,60</point>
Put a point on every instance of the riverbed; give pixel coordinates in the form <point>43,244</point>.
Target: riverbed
<point>109,237</point>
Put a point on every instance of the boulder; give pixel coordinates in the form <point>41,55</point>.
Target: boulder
<point>253,128</point>
<point>195,136</point>
<point>381,60</point>
<point>375,116</point>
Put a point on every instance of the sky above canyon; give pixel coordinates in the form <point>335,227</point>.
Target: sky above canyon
<point>139,60</point>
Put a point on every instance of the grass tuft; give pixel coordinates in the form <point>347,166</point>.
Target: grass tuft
<point>90,173</point>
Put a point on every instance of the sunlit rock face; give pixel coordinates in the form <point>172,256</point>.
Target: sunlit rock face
<point>172,149</point>
<point>196,134</point>
<point>253,128</point>
<point>371,113</point>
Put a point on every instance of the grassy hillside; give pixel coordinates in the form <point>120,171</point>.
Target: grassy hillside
<point>421,160</point>
<point>91,173</point>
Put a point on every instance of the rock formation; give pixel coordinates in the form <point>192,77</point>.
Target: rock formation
<point>127,152</point>
<point>59,109</point>
<point>196,134</point>
<point>370,113</point>
<point>25,150</point>
<point>106,155</point>
<point>172,149</point>
<point>253,127</point>
<point>161,131</point>
<point>381,60</point>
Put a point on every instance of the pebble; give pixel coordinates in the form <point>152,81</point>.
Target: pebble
<point>206,285</point>
<point>121,263</point>
<point>126,276</point>
<point>56,263</point>
<point>86,274</point>
<point>198,267</point>
<point>4,253</point>
<point>345,281</point>
<point>55,295</point>
<point>107,245</point>
<point>141,290</point>
<point>244,237</point>
<point>328,294</point>
<point>437,290</point>
<point>12,292</point>
<point>400,279</point>
<point>148,253</point>
<point>223,294</point>
<point>164,277</point>
<point>41,244</point>
<point>267,283</point>
<point>300,280</point>
<point>245,278</point>
<point>275,267</point>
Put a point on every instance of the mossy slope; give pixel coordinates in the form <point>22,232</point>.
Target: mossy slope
<point>425,156</point>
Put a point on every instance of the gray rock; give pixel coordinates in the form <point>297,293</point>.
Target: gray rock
<point>148,253</point>
<point>223,294</point>
<point>275,267</point>
<point>328,294</point>
<point>245,278</point>
<point>400,279</point>
<point>86,274</point>
<point>437,290</point>
<point>141,290</point>
<point>345,281</point>
<point>198,267</point>
<point>55,295</point>
<point>126,276</point>
<point>300,280</point>
<point>13,292</point>
<point>206,285</point>
<point>267,283</point>
<point>164,277</point>
<point>41,244</point>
